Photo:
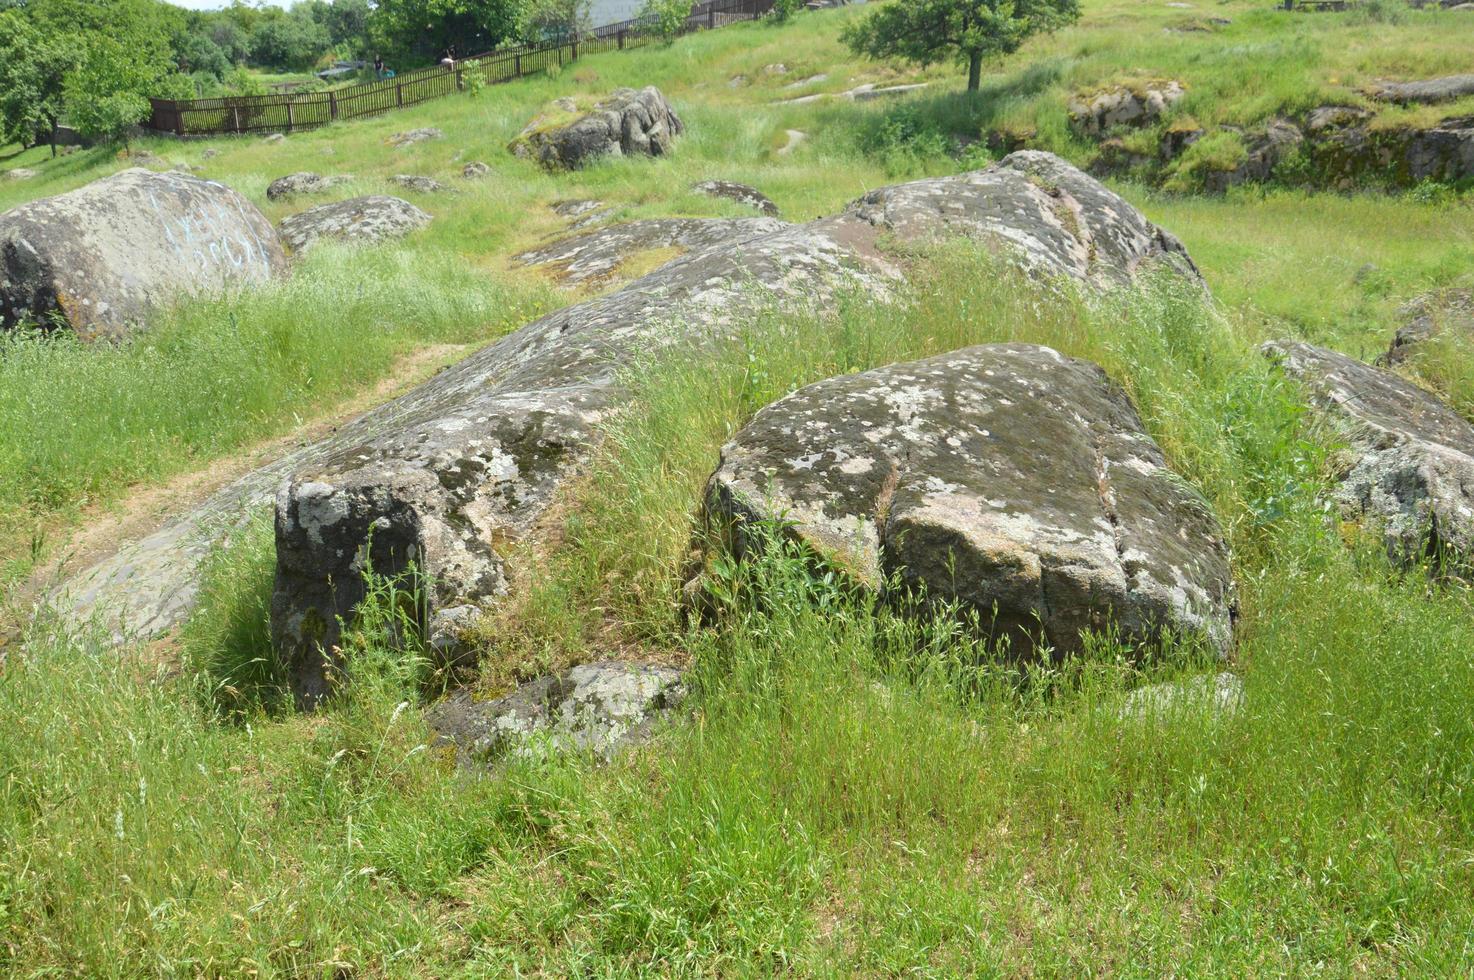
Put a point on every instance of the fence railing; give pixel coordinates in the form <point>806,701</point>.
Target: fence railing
<point>284,113</point>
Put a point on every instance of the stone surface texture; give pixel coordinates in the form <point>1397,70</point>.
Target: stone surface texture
<point>1008,478</point>
<point>369,219</point>
<point>304,182</point>
<point>741,193</point>
<point>597,254</point>
<point>103,256</point>
<point>629,123</point>
<point>1093,114</point>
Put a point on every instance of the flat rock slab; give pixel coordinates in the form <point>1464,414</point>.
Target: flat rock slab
<point>596,254</point>
<point>375,218</point>
<point>741,193</point>
<point>1409,465</point>
<point>1428,91</point>
<point>1220,695</point>
<point>103,256</point>
<point>1008,478</point>
<point>599,708</point>
<point>463,472</point>
<point>413,136</point>
<point>628,123</point>
<point>305,182</point>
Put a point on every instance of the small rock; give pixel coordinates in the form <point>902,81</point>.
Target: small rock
<point>795,138</point>
<point>600,708</point>
<point>210,154</point>
<point>360,219</point>
<point>401,140</point>
<point>475,171</point>
<point>777,69</point>
<point>274,138</point>
<point>414,182</point>
<point>866,93</point>
<point>741,193</point>
<point>811,80</point>
<point>304,182</point>
<point>1222,694</point>
<point>20,173</point>
<point>737,81</point>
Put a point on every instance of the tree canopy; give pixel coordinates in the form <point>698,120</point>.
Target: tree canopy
<point>928,31</point>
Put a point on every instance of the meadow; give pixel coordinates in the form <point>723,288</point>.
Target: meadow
<point>848,792</point>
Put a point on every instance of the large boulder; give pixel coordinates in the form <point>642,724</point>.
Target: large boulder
<point>101,257</point>
<point>460,474</point>
<point>597,254</point>
<point>304,182</point>
<point>1006,478</point>
<point>628,123</point>
<point>1409,460</point>
<point>599,708</point>
<point>1134,105</point>
<point>375,218</point>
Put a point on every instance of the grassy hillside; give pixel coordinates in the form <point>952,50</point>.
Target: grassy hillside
<point>851,794</point>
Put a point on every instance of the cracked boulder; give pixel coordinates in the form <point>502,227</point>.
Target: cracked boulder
<point>375,218</point>
<point>1408,465</point>
<point>741,193</point>
<point>628,123</point>
<point>101,257</point>
<point>598,708</point>
<point>598,254</point>
<point>1007,478</point>
<point>305,182</point>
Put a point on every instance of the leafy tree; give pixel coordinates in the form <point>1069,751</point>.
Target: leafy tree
<point>553,20</point>
<point>33,72</point>
<point>227,35</point>
<point>108,92</point>
<point>290,43</point>
<point>347,22</point>
<point>928,31</point>
<point>422,29</point>
<point>196,54</point>
<point>668,16</point>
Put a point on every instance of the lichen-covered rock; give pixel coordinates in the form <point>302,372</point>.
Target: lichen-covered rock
<point>741,193</point>
<point>475,170</point>
<point>401,140</point>
<point>304,182</point>
<point>1007,478</point>
<point>1345,150</point>
<point>418,183</point>
<point>1443,152</point>
<point>19,173</point>
<point>462,476</point>
<point>596,254</point>
<point>1266,150</point>
<point>599,708</point>
<point>102,256</point>
<point>1428,91</point>
<point>1141,104</point>
<point>1429,315</point>
<point>628,123</point>
<point>369,219</point>
<point>1409,466</point>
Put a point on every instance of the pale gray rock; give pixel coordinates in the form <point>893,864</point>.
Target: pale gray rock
<point>20,173</point>
<point>1094,113</point>
<point>1429,315</point>
<point>304,182</point>
<point>418,184</point>
<point>598,708</point>
<point>628,123</point>
<point>1409,461</point>
<point>410,138</point>
<point>475,170</point>
<point>597,254</point>
<point>1007,478</point>
<point>1428,91</point>
<point>1221,695</point>
<point>103,256</point>
<point>274,138</point>
<point>375,218</point>
<point>741,193</point>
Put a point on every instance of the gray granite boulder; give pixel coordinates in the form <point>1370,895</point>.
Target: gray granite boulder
<point>1008,478</point>
<point>102,256</point>
<point>628,123</point>
<point>418,183</point>
<point>461,474</point>
<point>596,254</point>
<point>1095,113</point>
<point>369,219</point>
<point>475,170</point>
<point>741,193</point>
<point>304,182</point>
<point>599,708</point>
<point>1429,315</point>
<point>1428,91</point>
<point>1409,460</point>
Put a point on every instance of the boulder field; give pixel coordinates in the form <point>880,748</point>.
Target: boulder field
<point>458,474</point>
<point>99,258</point>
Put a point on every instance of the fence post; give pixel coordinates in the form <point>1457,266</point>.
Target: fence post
<point>178,120</point>
<point>332,105</point>
<point>621,40</point>
<point>399,94</point>
<point>460,80</point>
<point>560,56</point>
<point>516,66</point>
<point>290,121</point>
<point>235,111</point>
<point>575,49</point>
<point>711,16</point>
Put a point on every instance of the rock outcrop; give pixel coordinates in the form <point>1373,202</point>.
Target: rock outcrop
<point>1006,478</point>
<point>461,474</point>
<point>1267,149</point>
<point>369,219</point>
<point>101,257</point>
<point>1409,466</point>
<point>1095,113</point>
<point>741,193</point>
<point>401,140</point>
<point>304,182</point>
<point>1427,91</point>
<point>596,254</point>
<point>1429,315</point>
<point>599,708</point>
<point>628,123</point>
<point>417,183</point>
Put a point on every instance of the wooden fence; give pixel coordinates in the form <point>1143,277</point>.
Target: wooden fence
<point>284,113</point>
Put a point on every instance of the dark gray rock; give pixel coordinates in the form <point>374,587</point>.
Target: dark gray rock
<point>741,193</point>
<point>1345,150</point>
<point>1409,465</point>
<point>102,256</point>
<point>1444,152</point>
<point>418,184</point>
<point>1428,91</point>
<point>475,170</point>
<point>305,182</point>
<point>1095,113</point>
<point>596,254</point>
<point>1007,478</point>
<point>1277,142</point>
<point>1428,315</point>
<point>599,708</point>
<point>628,123</point>
<point>369,219</point>
<point>401,140</point>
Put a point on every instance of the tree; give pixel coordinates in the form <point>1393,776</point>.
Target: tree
<point>668,16</point>
<point>292,43</point>
<point>552,20</point>
<point>928,31</point>
<point>422,29</point>
<point>108,92</point>
<point>33,72</point>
